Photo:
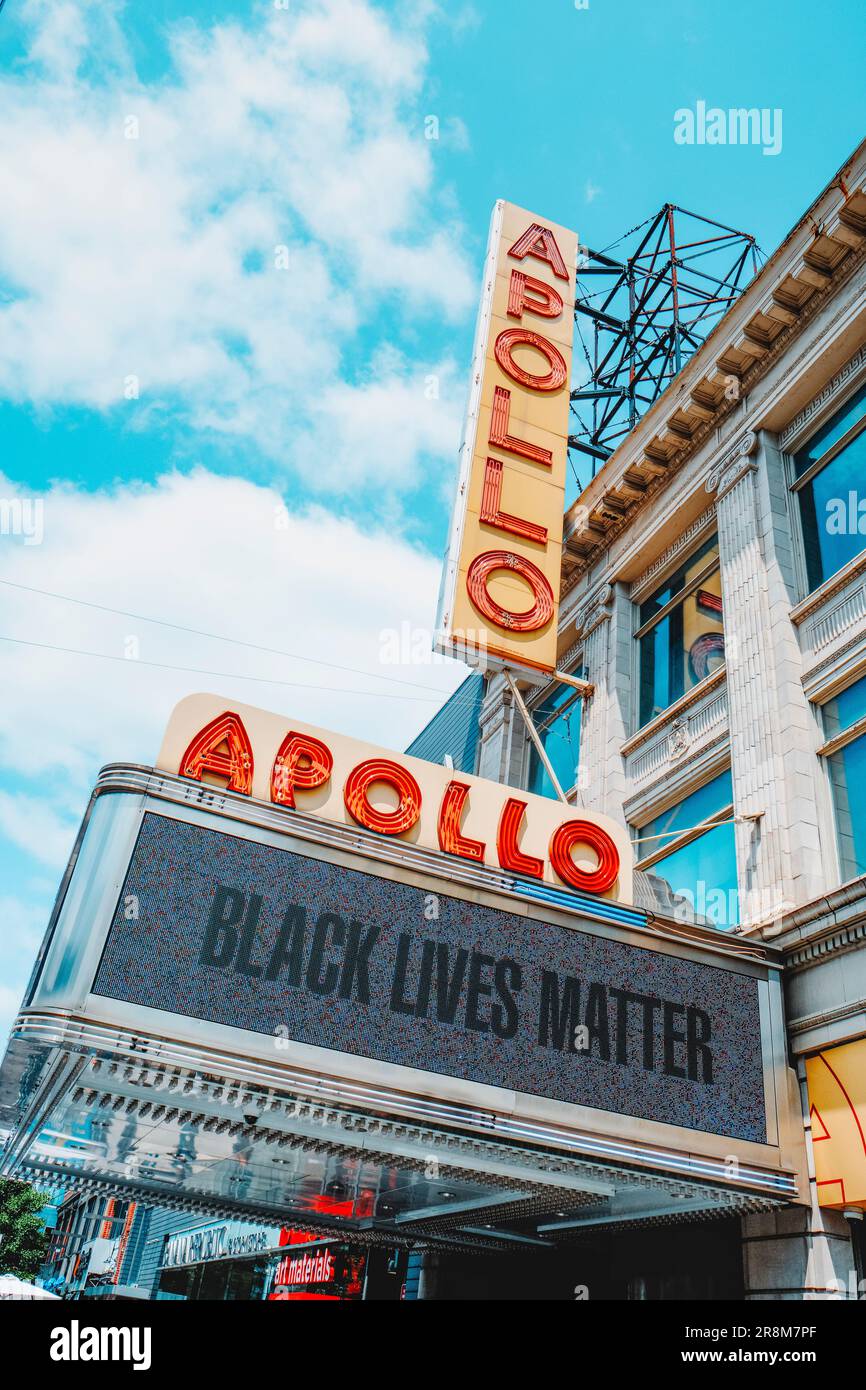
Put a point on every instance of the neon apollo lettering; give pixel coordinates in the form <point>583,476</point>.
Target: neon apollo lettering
<point>535,297</point>
<point>512,480</point>
<point>304,763</point>
<point>77,1343</point>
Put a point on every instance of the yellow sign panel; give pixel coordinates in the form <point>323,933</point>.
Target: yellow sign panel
<point>836,1080</point>
<point>500,595</point>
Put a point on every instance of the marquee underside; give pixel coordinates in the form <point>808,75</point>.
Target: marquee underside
<point>140,1116</point>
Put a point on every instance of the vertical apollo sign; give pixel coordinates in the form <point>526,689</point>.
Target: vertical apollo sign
<point>500,596</point>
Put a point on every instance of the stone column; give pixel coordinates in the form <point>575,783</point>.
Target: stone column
<point>772,730</point>
<point>605,625</point>
<point>502,753</point>
<point>798,1253</point>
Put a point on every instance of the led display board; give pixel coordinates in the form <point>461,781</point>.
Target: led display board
<point>229,930</point>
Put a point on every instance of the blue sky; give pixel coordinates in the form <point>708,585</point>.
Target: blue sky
<point>237,296</point>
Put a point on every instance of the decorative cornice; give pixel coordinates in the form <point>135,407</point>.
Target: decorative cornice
<point>833,388</point>
<point>833,941</point>
<point>592,612</point>
<point>653,792</point>
<point>836,913</point>
<point>568,657</point>
<point>812,676</point>
<point>827,1016</point>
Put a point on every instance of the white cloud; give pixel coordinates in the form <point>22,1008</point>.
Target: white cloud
<point>32,824</point>
<point>22,921</point>
<point>26,920</point>
<point>375,431</point>
<point>154,257</point>
<point>220,555</point>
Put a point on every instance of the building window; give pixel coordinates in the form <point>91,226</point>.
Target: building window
<point>699,865</point>
<point>829,474</point>
<point>845,755</point>
<point>557,719</point>
<point>680,634</point>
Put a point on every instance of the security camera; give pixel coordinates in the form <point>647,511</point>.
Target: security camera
<point>251,1119</point>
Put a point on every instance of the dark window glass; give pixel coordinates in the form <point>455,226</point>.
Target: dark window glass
<point>843,711</point>
<point>847,770</point>
<point>833,513</point>
<point>707,801</point>
<point>557,719</point>
<point>833,502</point>
<point>848,780</point>
<point>687,644</point>
<point>704,871</point>
<point>832,432</point>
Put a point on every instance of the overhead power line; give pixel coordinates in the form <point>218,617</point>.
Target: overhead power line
<point>223,675</point>
<point>218,637</point>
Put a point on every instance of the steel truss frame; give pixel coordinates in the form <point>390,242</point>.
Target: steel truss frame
<point>647,313</point>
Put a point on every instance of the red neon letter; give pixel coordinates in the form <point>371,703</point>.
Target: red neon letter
<point>476,586</point>
<point>450,813</point>
<point>583,832</point>
<point>303,762</point>
<point>503,349</point>
<point>491,496</point>
<point>540,242</point>
<point>501,439</point>
<point>223,748</point>
<point>510,855</point>
<point>547,303</point>
<point>358,784</point>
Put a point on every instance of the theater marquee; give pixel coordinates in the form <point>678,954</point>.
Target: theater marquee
<point>262,939</point>
<point>223,979</point>
<point>500,596</point>
<point>281,942</point>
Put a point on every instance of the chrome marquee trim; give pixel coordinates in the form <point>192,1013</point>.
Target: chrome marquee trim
<point>386,1106</point>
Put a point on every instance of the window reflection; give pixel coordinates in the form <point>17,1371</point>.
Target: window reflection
<point>847,769</point>
<point>700,868</point>
<point>557,719</point>
<point>680,633</point>
<point>830,471</point>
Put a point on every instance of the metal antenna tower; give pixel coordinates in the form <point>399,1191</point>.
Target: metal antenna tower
<point>639,318</point>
